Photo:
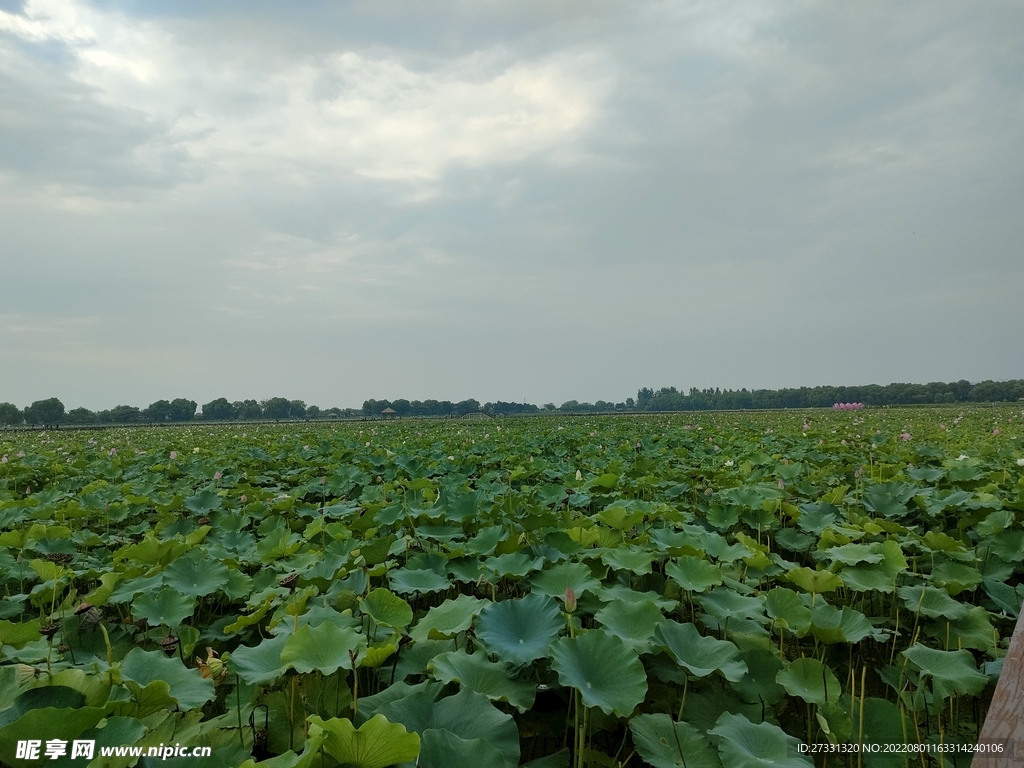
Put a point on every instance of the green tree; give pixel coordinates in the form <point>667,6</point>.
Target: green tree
<point>467,406</point>
<point>10,414</point>
<point>182,409</point>
<point>159,411</point>
<point>80,416</point>
<point>297,409</point>
<point>248,409</point>
<point>49,411</point>
<point>219,410</point>
<point>277,408</point>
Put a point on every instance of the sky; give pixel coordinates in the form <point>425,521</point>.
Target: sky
<point>505,200</point>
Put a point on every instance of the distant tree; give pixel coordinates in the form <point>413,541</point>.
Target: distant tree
<point>182,409</point>
<point>467,406</point>
<point>569,406</point>
<point>402,407</point>
<point>643,396</point>
<point>248,409</point>
<point>80,416</point>
<point>159,411</point>
<point>219,410</point>
<point>10,414</point>
<point>49,411</point>
<point>123,414</point>
<point>296,409</point>
<point>630,402</point>
<point>313,412</point>
<point>277,408</point>
<point>549,407</point>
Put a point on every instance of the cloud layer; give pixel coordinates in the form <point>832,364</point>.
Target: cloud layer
<point>506,202</point>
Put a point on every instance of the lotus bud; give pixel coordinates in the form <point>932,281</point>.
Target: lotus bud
<point>579,475</point>
<point>570,600</point>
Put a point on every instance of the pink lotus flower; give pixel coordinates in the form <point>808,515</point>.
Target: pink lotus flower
<point>113,452</point>
<point>244,499</point>
<point>174,455</point>
<point>217,475</point>
<point>995,431</point>
<point>782,484</point>
<point>4,459</point>
<point>905,436</point>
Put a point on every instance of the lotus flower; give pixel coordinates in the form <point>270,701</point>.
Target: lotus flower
<point>174,455</point>
<point>570,600</point>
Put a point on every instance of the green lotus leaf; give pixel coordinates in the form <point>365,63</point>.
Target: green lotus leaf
<point>260,664</point>
<point>443,749</point>
<point>377,654</point>
<point>810,680</point>
<point>467,714</point>
<point>603,669</point>
<point>884,723</point>
<point>554,581</point>
<point>16,635</point>
<point>449,618</point>
<point>196,577</point>
<point>667,744</point>
<point>377,743</point>
<point>476,672</point>
<point>632,622</point>
<point>167,608</point>
<point>932,602</point>
<point>309,755</point>
<point>975,630</point>
<point>514,564</point>
<point>815,582</point>
<point>955,577</point>
<point>788,611</point>
<point>406,581</point>
<point>700,655</point>
<point>614,592</point>
<point>620,518</point>
<point>520,631</point>
<point>186,686</point>
<point>833,625</point>
<point>203,502</point>
<point>759,685</point>
<point>559,759</point>
<point>889,499</point>
<point>387,608</point>
<point>742,744</point>
<point>835,722</point>
<point>55,723</point>
<point>950,671</point>
<point>868,578</point>
<point>693,573</point>
<point>854,554</point>
<point>632,559</point>
<point>325,648</point>
<point>486,540</point>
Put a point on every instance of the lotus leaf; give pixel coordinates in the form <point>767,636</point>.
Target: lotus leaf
<point>603,669</point>
<point>520,631</point>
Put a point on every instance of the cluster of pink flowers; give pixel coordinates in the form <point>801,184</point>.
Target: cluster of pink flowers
<point>847,406</point>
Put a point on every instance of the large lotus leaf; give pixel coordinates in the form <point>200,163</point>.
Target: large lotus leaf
<point>932,602</point>
<point>513,564</point>
<point>759,684</point>
<point>603,669</point>
<point>16,635</point>
<point>632,559</point>
<point>975,630</point>
<point>608,594</point>
<point>44,723</point>
<point>743,744</point>
<point>467,714</point>
<point>371,705</point>
<point>700,655</point>
<point>889,499</point>
<point>447,619</point>
<point>815,582</point>
<point>310,753</point>
<point>854,554</point>
<point>955,577</point>
<point>475,672</point>
<point>325,648</point>
<point>788,611</point>
<point>883,724</point>
<point>951,671</point>
<point>443,749</point>
<point>375,744</point>
<point>387,608</point>
<point>811,680</point>
<point>631,622</point>
<point>520,631</point>
<point>833,625</point>
<point>559,759</point>
<point>196,577</point>
<point>486,540</point>
<point>167,608</point>
<point>260,664</point>
<point>667,744</point>
<point>203,502</point>
<point>724,603</point>
<point>407,581</point>
<point>554,581</point>
<point>693,573</point>
<point>868,578</point>
<point>187,687</point>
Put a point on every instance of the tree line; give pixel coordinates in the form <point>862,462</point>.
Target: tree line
<point>51,411</point>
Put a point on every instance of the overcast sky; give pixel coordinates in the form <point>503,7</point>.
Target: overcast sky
<point>506,200</point>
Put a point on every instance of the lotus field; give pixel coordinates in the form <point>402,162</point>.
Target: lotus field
<point>694,590</point>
